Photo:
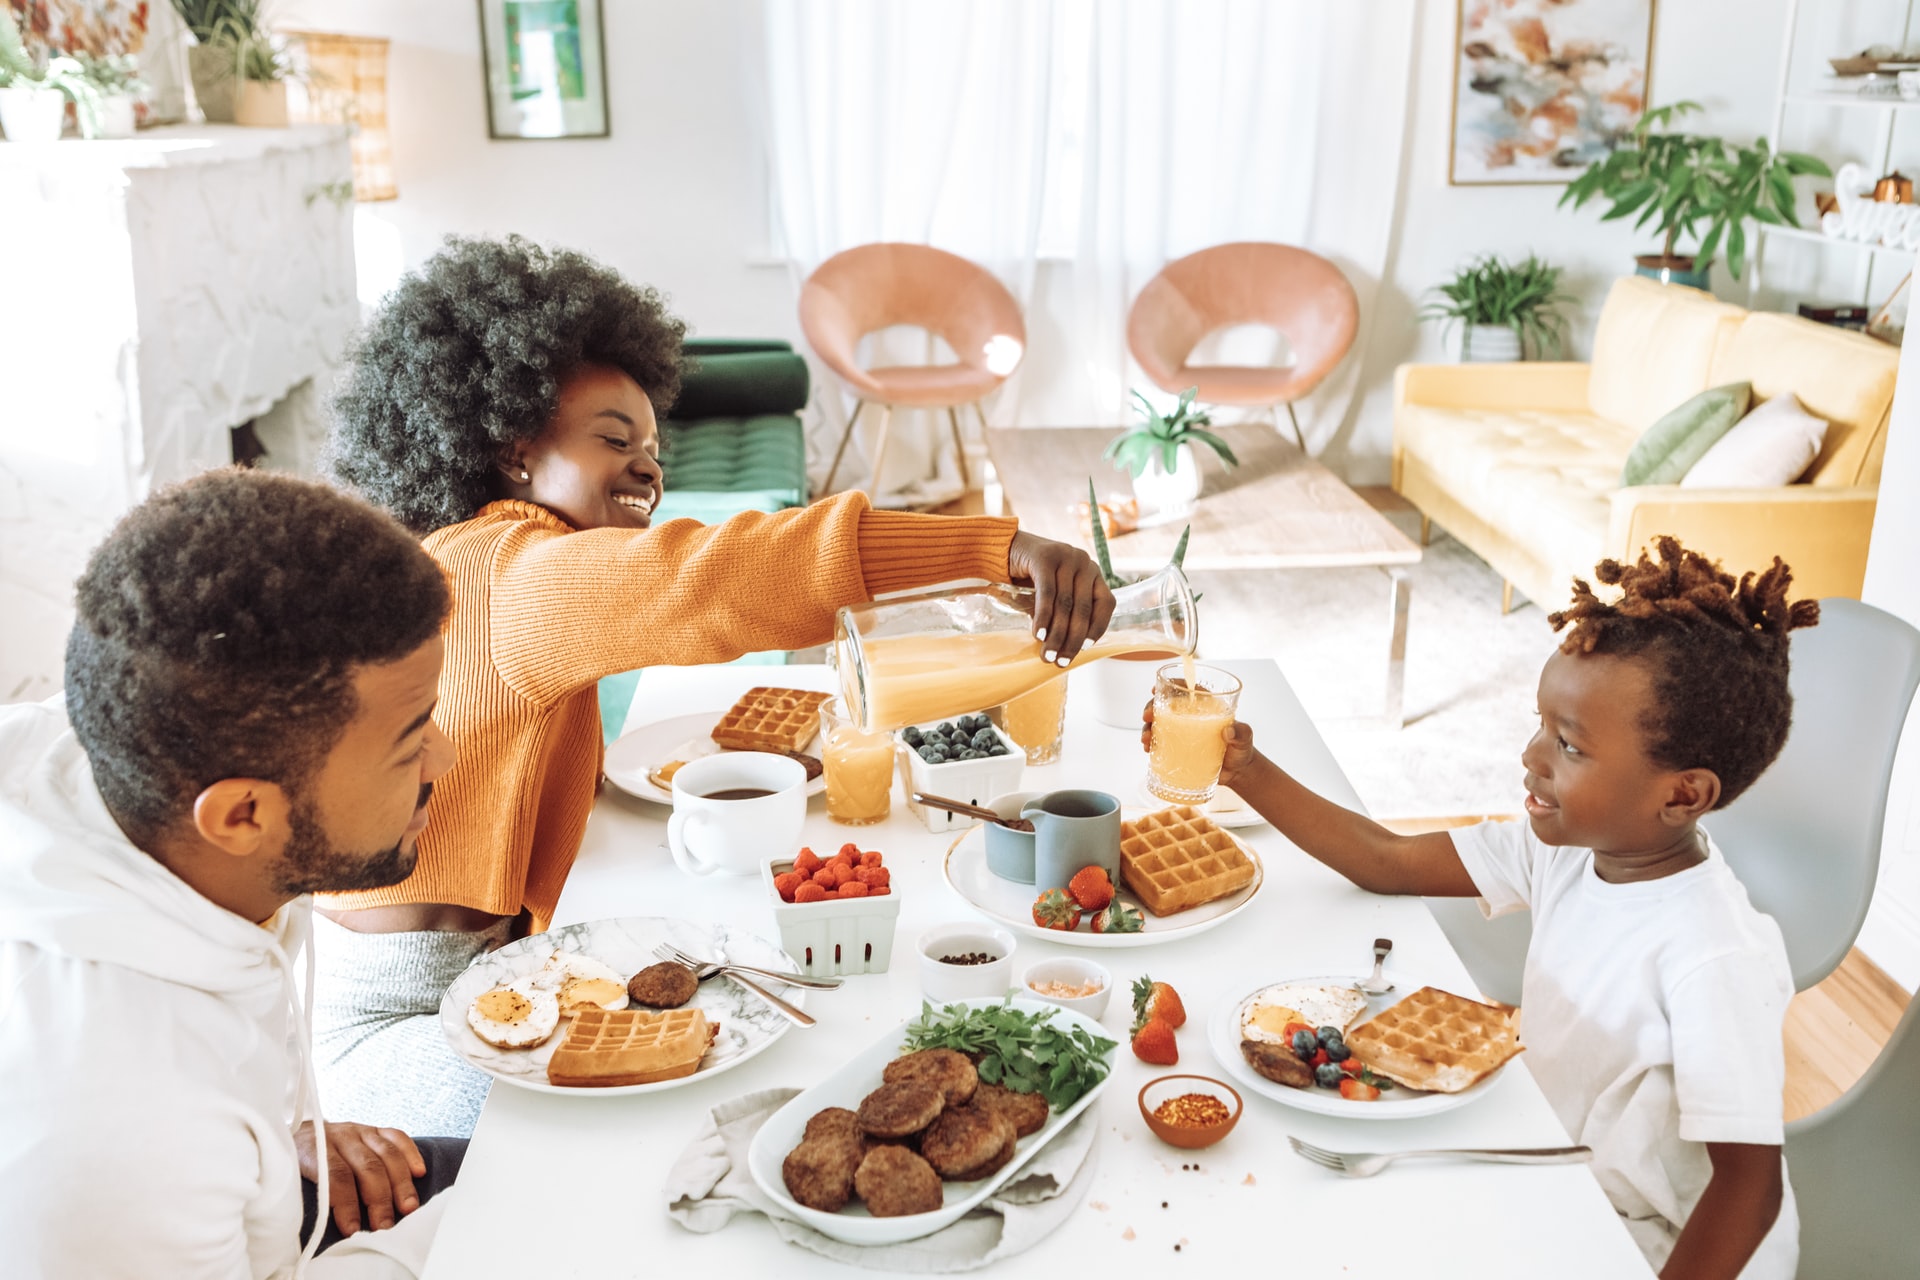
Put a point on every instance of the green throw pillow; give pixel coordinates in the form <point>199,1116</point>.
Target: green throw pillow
<point>1668,449</point>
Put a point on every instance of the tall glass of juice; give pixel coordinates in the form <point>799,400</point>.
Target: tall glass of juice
<point>1035,721</point>
<point>1193,706</point>
<point>858,767</point>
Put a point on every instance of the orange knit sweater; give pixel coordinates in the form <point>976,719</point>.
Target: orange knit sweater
<point>541,612</point>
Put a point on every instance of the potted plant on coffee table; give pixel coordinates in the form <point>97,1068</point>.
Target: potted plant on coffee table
<point>1694,186</point>
<point>1505,311</point>
<point>35,89</point>
<point>1159,454</point>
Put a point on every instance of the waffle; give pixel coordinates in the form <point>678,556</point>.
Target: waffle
<point>630,1046</point>
<point>771,720</point>
<point>1436,1040</point>
<point>1177,858</point>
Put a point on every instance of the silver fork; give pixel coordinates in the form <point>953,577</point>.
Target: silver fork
<point>797,1017</point>
<point>1364,1164</point>
<point>667,951</point>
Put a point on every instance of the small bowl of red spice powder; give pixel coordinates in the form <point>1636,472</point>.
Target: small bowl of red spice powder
<point>1190,1112</point>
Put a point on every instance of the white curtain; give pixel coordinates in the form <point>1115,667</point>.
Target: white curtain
<point>1073,148</point>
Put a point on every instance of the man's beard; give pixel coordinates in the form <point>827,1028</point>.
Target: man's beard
<point>311,864</point>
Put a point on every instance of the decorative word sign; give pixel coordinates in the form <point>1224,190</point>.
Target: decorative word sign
<point>1861,217</point>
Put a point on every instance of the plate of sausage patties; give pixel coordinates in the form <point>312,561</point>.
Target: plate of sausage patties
<point>897,1143</point>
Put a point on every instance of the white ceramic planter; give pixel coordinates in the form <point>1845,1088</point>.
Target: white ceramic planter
<point>261,103</point>
<point>116,116</point>
<point>1488,344</point>
<point>32,115</point>
<point>1168,493</point>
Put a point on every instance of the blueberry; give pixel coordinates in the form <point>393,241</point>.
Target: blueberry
<point>974,723</point>
<point>997,749</point>
<point>930,754</point>
<point>984,739</point>
<point>1327,1076</point>
<point>1328,1034</point>
<point>913,737</point>
<point>968,753</point>
<point>1305,1044</point>
<point>1338,1051</point>
<point>945,728</point>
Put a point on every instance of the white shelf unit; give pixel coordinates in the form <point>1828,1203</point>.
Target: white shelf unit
<point>1890,106</point>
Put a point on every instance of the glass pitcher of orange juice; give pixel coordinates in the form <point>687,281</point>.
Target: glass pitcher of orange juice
<point>931,657</point>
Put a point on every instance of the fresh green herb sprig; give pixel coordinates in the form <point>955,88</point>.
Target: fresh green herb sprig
<point>1023,1052</point>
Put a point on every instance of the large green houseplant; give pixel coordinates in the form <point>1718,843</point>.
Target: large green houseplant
<point>1505,309</point>
<point>1693,186</point>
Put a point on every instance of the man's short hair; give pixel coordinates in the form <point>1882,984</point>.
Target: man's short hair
<point>219,629</point>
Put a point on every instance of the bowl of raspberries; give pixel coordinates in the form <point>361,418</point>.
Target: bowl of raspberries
<point>836,914</point>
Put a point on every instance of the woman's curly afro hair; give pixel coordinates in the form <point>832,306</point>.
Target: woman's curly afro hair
<point>1717,651</point>
<point>467,356</point>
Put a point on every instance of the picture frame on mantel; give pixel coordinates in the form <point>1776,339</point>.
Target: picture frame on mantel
<point>545,64</point>
<point>1543,88</point>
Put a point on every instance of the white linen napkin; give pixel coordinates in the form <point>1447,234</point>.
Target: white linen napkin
<point>710,1182</point>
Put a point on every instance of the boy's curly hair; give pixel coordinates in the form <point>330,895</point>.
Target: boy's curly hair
<point>1717,651</point>
<point>467,356</point>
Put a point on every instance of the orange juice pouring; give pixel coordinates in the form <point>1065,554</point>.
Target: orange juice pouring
<point>1193,706</point>
<point>858,767</point>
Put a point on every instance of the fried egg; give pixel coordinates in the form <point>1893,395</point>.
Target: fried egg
<point>582,982</point>
<point>1265,1017</point>
<point>514,1015</point>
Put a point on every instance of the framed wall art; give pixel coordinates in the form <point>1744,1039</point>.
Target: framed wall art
<point>546,68</point>
<point>1543,88</point>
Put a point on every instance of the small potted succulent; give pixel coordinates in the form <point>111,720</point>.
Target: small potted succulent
<point>1119,686</point>
<point>1159,454</point>
<point>116,77</point>
<point>36,88</point>
<point>1505,310</point>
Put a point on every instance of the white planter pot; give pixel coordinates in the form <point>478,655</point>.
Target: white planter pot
<point>116,116</point>
<point>1488,344</point>
<point>261,103</point>
<point>32,115</point>
<point>1118,688</point>
<point>1169,493</point>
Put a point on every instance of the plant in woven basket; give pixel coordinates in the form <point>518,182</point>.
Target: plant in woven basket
<point>1521,296</point>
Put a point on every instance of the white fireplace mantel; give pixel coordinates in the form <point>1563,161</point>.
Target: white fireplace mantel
<point>158,291</point>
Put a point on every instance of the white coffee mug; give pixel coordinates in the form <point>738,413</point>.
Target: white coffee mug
<point>716,828</point>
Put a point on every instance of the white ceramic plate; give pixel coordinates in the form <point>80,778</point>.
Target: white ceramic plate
<point>747,1024</point>
<point>854,1081</point>
<point>1011,904</point>
<point>683,738</point>
<point>1397,1103</point>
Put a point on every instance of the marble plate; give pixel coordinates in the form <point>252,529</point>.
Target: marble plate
<point>1011,904</point>
<point>683,738</point>
<point>747,1024</point>
<point>1397,1103</point>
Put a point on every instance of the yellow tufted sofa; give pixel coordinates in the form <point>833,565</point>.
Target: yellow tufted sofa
<point>1521,462</point>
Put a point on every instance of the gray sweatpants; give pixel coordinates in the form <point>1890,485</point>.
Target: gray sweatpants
<point>381,1055</point>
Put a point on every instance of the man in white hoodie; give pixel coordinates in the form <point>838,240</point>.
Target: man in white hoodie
<point>246,720</point>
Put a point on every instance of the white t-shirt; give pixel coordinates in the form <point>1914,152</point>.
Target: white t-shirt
<point>1651,1014</point>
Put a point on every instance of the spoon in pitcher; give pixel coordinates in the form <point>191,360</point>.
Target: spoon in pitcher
<point>966,810</point>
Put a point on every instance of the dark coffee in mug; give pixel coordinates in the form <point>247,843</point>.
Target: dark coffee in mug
<point>737,793</point>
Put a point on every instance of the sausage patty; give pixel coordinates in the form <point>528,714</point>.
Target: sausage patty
<point>949,1071</point>
<point>1028,1111</point>
<point>663,986</point>
<point>1277,1063</point>
<point>895,1182</point>
<point>896,1110</point>
<point>966,1139</point>
<point>819,1173</point>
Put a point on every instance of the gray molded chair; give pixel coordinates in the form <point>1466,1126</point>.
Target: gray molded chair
<point>1804,839</point>
<point>1855,1164</point>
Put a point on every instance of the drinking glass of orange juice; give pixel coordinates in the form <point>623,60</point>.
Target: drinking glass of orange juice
<point>1036,720</point>
<point>858,766</point>
<point>1193,706</point>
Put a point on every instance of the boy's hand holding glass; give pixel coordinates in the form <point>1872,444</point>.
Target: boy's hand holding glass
<point>1239,756</point>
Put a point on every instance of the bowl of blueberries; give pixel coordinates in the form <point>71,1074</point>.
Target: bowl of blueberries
<point>967,758</point>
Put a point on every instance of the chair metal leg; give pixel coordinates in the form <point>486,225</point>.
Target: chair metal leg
<point>959,448</point>
<point>1298,435</point>
<point>1394,713</point>
<point>880,451</point>
<point>1506,597</point>
<point>1426,530</point>
<point>845,436</point>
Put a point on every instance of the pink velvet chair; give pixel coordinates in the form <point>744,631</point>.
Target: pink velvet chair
<point>876,286</point>
<point>1299,293</point>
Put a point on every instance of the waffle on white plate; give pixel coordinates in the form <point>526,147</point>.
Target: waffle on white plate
<point>769,719</point>
<point>1177,858</point>
<point>630,1046</point>
<point>1437,1041</point>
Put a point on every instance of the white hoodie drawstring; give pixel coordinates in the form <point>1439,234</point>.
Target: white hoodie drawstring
<point>308,1094</point>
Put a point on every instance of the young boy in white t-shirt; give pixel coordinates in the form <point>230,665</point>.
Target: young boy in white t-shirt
<point>1654,991</point>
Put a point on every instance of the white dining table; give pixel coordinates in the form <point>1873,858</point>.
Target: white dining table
<point>573,1186</point>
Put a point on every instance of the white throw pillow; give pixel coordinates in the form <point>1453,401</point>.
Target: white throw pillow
<point>1769,447</point>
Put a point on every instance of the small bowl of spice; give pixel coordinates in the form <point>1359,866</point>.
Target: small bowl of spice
<point>1190,1112</point>
<point>1070,982</point>
<point>965,961</point>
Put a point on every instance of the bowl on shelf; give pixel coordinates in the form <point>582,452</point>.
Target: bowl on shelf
<point>1854,66</point>
<point>1070,971</point>
<point>1170,1091</point>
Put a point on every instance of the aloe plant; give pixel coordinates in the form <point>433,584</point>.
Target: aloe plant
<point>1104,557</point>
<point>1164,433</point>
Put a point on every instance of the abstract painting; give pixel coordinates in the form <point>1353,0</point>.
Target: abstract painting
<point>1543,88</point>
<point>546,68</point>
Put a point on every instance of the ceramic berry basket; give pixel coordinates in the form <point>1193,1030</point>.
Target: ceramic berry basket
<point>835,936</point>
<point>973,781</point>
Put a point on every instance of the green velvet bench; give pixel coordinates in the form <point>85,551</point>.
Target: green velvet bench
<point>733,444</point>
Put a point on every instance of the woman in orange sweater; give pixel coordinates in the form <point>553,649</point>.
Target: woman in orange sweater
<point>503,404</point>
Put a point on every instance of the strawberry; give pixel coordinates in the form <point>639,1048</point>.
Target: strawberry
<point>1055,910</point>
<point>807,863</point>
<point>1153,1042</point>
<point>811,891</point>
<point>1091,888</point>
<point>1354,1089</point>
<point>1118,918</point>
<point>1352,1066</point>
<point>1157,1000</point>
<point>1319,1058</point>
